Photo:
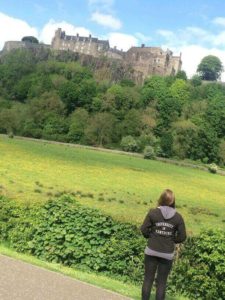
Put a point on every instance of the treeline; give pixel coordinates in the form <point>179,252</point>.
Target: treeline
<point>58,98</point>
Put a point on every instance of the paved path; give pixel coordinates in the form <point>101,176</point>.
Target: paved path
<point>22,281</point>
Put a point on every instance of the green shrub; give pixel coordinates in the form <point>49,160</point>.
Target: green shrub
<point>17,223</point>
<point>128,143</point>
<point>11,135</point>
<point>213,168</point>
<point>149,152</point>
<point>64,231</point>
<point>200,271</point>
<point>71,234</point>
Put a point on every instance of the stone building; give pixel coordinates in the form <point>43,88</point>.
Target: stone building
<point>144,61</point>
<point>153,61</point>
<point>86,45</point>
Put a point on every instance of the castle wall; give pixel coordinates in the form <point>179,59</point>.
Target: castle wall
<point>11,45</point>
<point>145,61</point>
<point>115,54</point>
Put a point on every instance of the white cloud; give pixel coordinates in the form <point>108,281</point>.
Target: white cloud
<point>186,36</point>
<point>106,20</point>
<point>167,34</point>
<point>122,40</point>
<point>142,37</point>
<point>194,43</point>
<point>14,29</point>
<point>49,29</point>
<point>100,2</point>
<point>219,39</point>
<point>219,21</point>
<point>193,54</point>
<point>39,8</point>
<point>101,5</point>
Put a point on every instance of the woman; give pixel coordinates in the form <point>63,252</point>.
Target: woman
<point>163,227</point>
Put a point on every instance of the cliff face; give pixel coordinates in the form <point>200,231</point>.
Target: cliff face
<point>104,68</point>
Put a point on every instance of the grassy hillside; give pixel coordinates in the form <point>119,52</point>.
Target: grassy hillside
<point>122,186</point>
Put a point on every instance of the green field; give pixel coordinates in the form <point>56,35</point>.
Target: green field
<point>123,186</point>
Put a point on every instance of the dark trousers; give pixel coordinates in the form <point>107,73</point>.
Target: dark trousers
<point>160,265</point>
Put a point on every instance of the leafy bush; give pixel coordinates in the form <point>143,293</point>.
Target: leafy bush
<point>11,135</point>
<point>17,223</point>
<point>129,144</point>
<point>200,271</point>
<point>149,152</point>
<point>66,232</point>
<point>213,168</point>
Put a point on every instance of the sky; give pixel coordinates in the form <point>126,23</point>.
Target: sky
<point>195,28</point>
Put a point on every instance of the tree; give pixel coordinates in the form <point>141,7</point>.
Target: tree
<point>155,88</point>
<point>168,111</point>
<point>215,116</point>
<point>205,145</point>
<point>180,90</point>
<point>100,129</point>
<point>166,144</point>
<point>183,134</point>
<point>15,65</point>
<point>222,152</point>
<point>42,111</point>
<point>196,80</point>
<point>129,144</point>
<point>118,100</point>
<point>30,39</point>
<point>78,124</point>
<point>210,68</point>
<point>69,94</point>
<point>181,75</point>
<point>132,123</point>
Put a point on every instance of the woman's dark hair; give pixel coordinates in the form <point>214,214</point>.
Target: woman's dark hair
<point>167,198</point>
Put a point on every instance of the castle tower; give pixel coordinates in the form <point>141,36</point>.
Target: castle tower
<point>57,38</point>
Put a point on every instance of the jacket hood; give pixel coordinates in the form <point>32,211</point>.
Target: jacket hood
<point>167,211</point>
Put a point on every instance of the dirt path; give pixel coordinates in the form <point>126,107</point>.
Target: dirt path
<point>22,281</point>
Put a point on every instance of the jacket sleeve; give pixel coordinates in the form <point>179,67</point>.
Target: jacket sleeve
<point>146,226</point>
<point>180,235</point>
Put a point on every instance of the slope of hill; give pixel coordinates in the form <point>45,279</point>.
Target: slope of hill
<point>122,186</point>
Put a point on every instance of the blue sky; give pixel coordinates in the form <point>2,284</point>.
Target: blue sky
<point>195,28</point>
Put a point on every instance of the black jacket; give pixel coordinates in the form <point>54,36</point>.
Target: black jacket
<point>163,232</point>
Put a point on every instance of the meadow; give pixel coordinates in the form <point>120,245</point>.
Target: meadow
<point>123,186</point>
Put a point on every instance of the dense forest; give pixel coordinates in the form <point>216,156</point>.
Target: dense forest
<point>64,98</point>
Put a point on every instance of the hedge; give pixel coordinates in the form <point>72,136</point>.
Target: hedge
<point>66,232</point>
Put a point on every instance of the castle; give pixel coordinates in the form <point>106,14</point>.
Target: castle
<point>144,60</point>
